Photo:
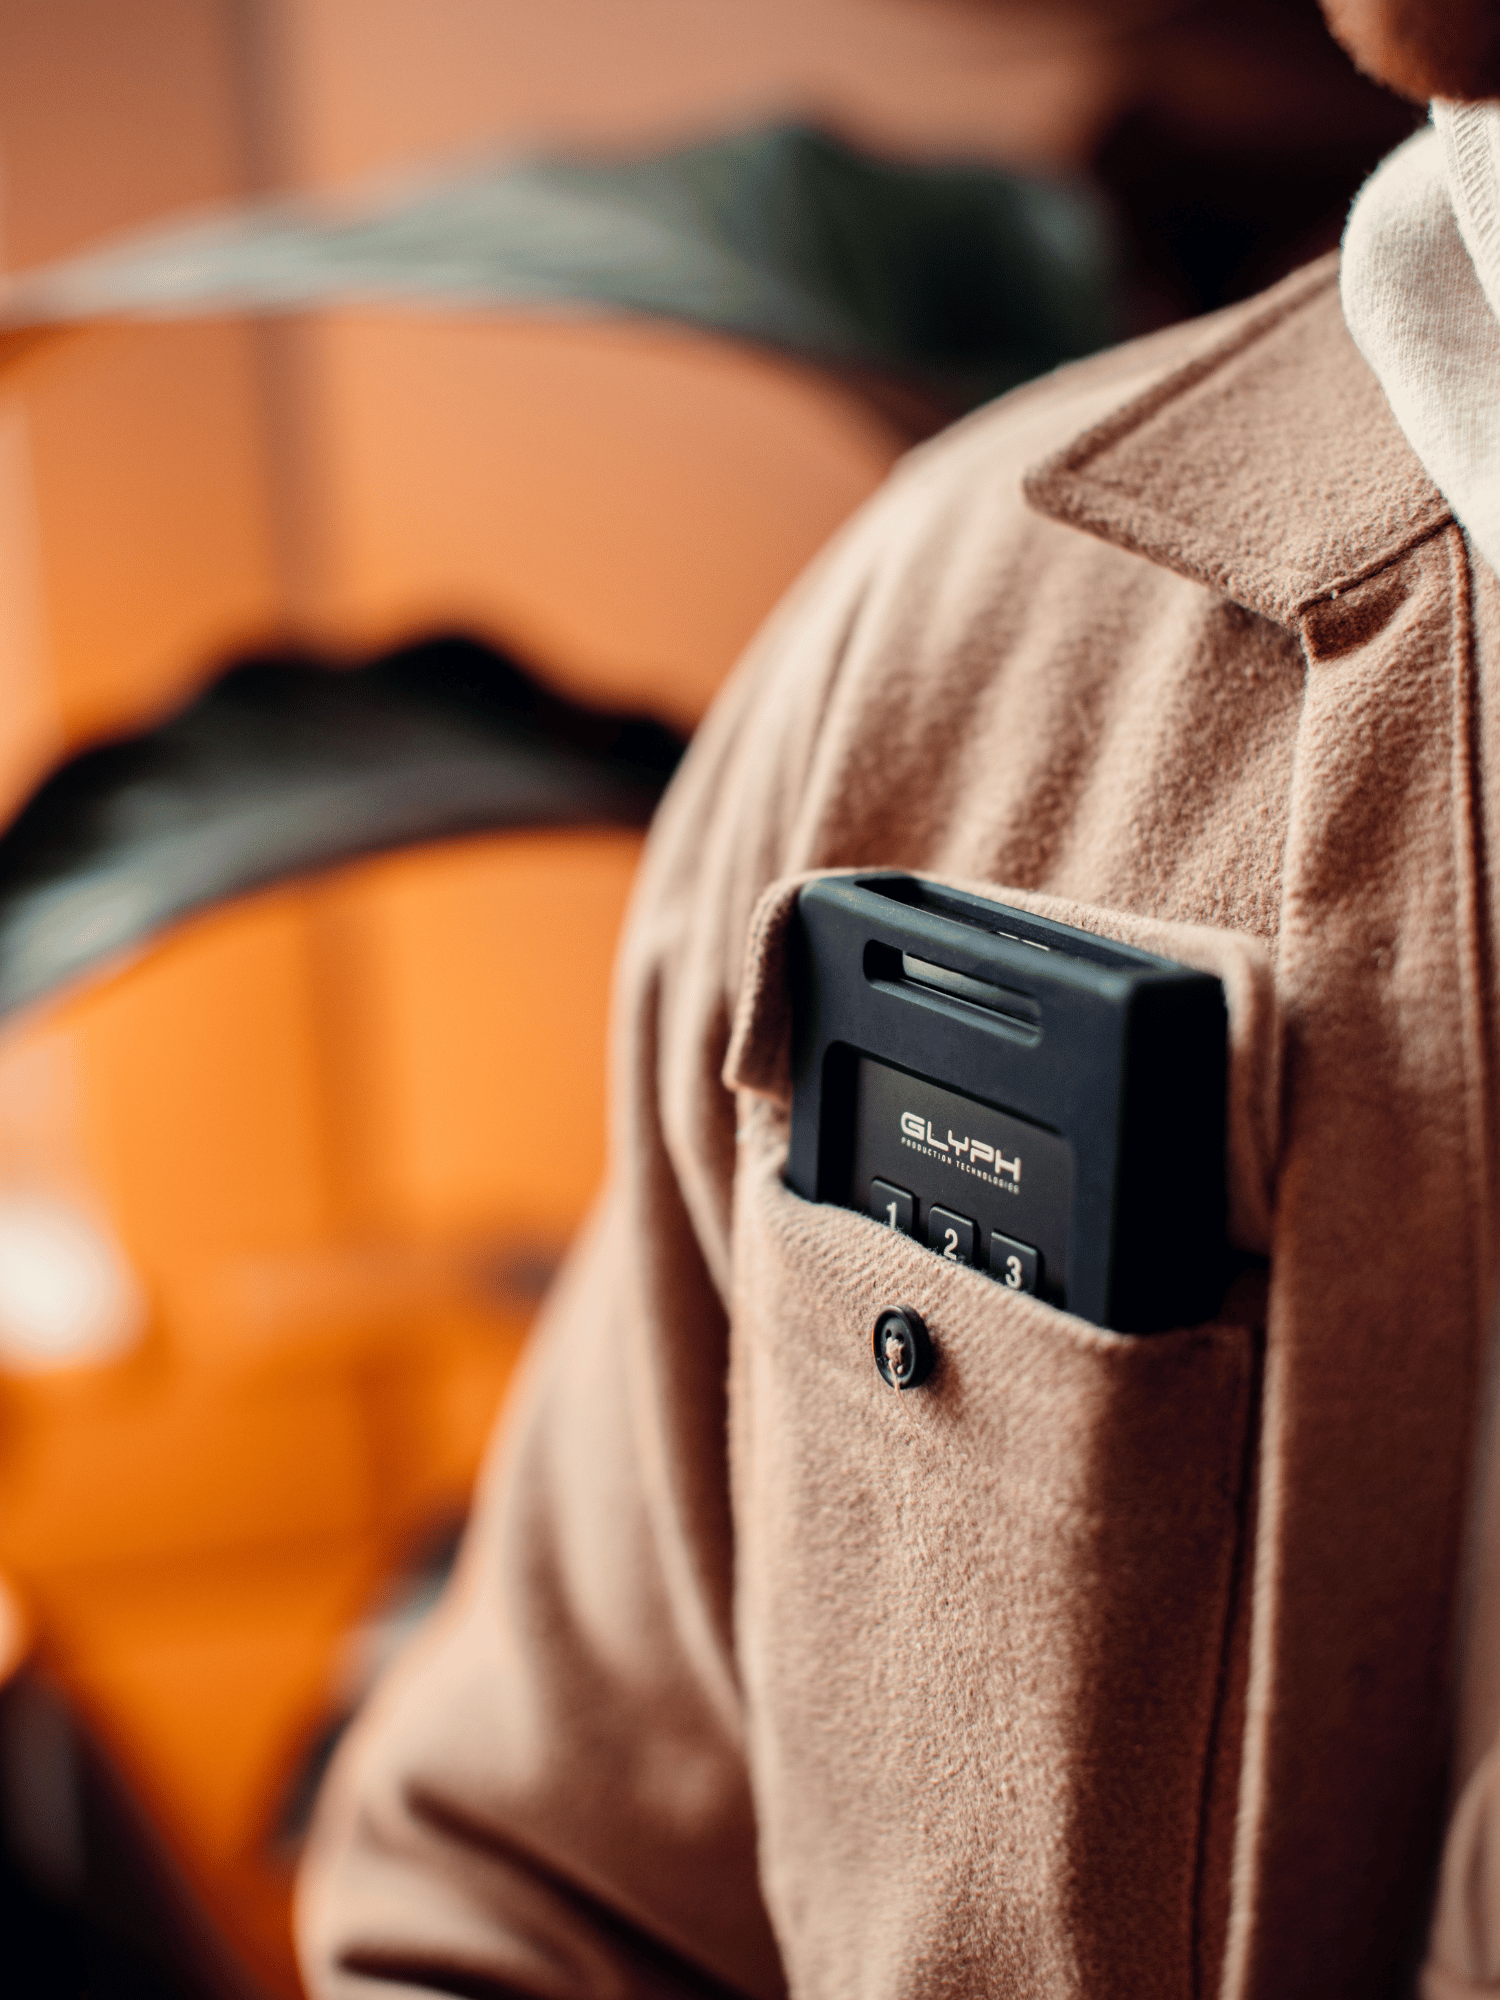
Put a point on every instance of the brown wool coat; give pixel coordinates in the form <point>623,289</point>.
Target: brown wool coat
<point>1103,1666</point>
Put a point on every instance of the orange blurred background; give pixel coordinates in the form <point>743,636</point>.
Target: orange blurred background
<point>337,1141</point>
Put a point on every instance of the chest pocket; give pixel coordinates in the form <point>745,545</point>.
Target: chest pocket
<point>983,1624</point>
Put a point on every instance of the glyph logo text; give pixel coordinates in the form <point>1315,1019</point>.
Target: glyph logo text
<point>975,1155</point>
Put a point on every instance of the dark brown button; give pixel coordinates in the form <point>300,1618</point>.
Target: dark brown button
<point>903,1351</point>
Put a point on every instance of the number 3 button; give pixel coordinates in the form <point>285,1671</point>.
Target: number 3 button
<point>1014,1264</point>
<point>952,1236</point>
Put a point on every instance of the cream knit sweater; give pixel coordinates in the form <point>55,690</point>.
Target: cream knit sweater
<point>1421,291</point>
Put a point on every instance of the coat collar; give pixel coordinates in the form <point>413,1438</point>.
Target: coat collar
<point>1268,465</point>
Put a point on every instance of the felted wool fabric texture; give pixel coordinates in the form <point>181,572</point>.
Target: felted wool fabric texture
<point>1099,1665</point>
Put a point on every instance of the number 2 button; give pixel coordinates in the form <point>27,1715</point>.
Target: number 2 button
<point>952,1236</point>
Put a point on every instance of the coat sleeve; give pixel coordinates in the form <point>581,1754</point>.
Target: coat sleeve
<point>549,1795</point>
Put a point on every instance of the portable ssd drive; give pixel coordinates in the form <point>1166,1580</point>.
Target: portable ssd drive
<point>1021,1096</point>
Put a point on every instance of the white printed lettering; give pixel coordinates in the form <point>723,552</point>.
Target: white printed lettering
<point>915,1127</point>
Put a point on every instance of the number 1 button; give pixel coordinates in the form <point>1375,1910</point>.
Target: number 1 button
<point>952,1236</point>
<point>893,1205</point>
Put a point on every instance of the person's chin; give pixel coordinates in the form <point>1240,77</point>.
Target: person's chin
<point>1422,48</point>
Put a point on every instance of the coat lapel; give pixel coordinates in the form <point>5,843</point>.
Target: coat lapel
<point>1267,466</point>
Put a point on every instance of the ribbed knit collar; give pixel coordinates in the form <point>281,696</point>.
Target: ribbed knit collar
<point>1420,282</point>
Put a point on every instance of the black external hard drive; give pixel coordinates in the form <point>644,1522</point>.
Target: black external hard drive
<point>1020,1096</point>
